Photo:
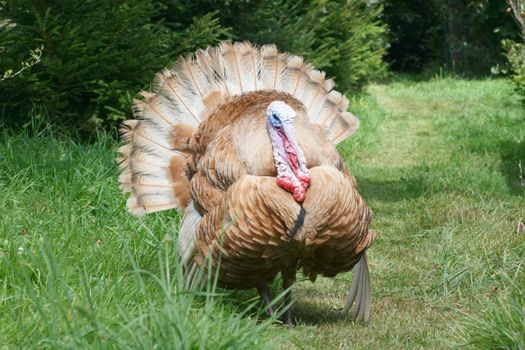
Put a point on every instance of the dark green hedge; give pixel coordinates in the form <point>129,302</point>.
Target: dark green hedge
<point>97,54</point>
<point>344,38</point>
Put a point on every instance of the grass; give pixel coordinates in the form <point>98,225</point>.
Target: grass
<point>438,161</point>
<point>77,271</point>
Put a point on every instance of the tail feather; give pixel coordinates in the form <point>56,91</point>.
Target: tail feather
<point>274,64</point>
<point>186,242</point>
<point>360,292</point>
<point>155,161</point>
<point>212,62</point>
<point>191,75</point>
<point>251,59</point>
<point>139,207</point>
<point>241,61</point>
<point>316,89</point>
<point>342,127</point>
<point>332,105</point>
<point>183,100</point>
<point>152,171</point>
<point>296,76</point>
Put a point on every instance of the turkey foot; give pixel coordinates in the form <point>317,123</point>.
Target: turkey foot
<point>266,298</point>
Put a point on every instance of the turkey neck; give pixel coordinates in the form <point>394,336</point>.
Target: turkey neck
<point>290,164</point>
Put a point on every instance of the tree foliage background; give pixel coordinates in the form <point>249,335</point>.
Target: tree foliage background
<point>81,62</point>
<point>463,36</point>
<point>97,54</point>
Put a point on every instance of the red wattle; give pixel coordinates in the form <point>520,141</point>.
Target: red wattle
<point>286,184</point>
<point>305,180</point>
<point>298,192</point>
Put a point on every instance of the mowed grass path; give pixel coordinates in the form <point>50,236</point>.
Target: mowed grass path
<point>438,161</point>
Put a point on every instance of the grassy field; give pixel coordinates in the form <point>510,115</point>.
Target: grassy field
<point>438,161</point>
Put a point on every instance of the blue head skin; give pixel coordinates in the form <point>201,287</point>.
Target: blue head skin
<point>274,120</point>
<point>280,113</point>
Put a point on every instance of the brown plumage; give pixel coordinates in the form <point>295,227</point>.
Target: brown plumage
<point>242,140</point>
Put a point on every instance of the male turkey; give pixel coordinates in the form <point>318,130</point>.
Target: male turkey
<point>242,141</point>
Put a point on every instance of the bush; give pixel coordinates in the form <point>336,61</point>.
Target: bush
<point>515,53</point>
<point>96,56</point>
<point>343,37</point>
<point>347,40</point>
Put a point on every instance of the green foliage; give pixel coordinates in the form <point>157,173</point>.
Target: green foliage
<point>416,32</point>
<point>514,50</point>
<point>481,25</point>
<point>35,56</point>
<point>347,41</point>
<point>515,53</point>
<point>96,56</point>
<point>343,37</point>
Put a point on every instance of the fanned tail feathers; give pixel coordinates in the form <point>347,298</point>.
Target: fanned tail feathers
<point>154,164</point>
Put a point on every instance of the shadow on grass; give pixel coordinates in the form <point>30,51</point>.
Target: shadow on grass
<point>513,165</point>
<point>392,190</point>
<point>303,311</point>
<point>310,314</point>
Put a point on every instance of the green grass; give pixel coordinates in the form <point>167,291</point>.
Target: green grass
<point>77,271</point>
<point>439,163</point>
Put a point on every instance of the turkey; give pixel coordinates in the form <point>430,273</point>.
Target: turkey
<point>241,140</point>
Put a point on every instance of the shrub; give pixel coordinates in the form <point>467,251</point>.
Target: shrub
<point>343,37</point>
<point>515,51</point>
<point>347,40</point>
<point>96,56</point>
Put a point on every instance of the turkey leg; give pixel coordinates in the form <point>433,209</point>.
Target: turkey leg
<point>288,280</point>
<point>266,298</point>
